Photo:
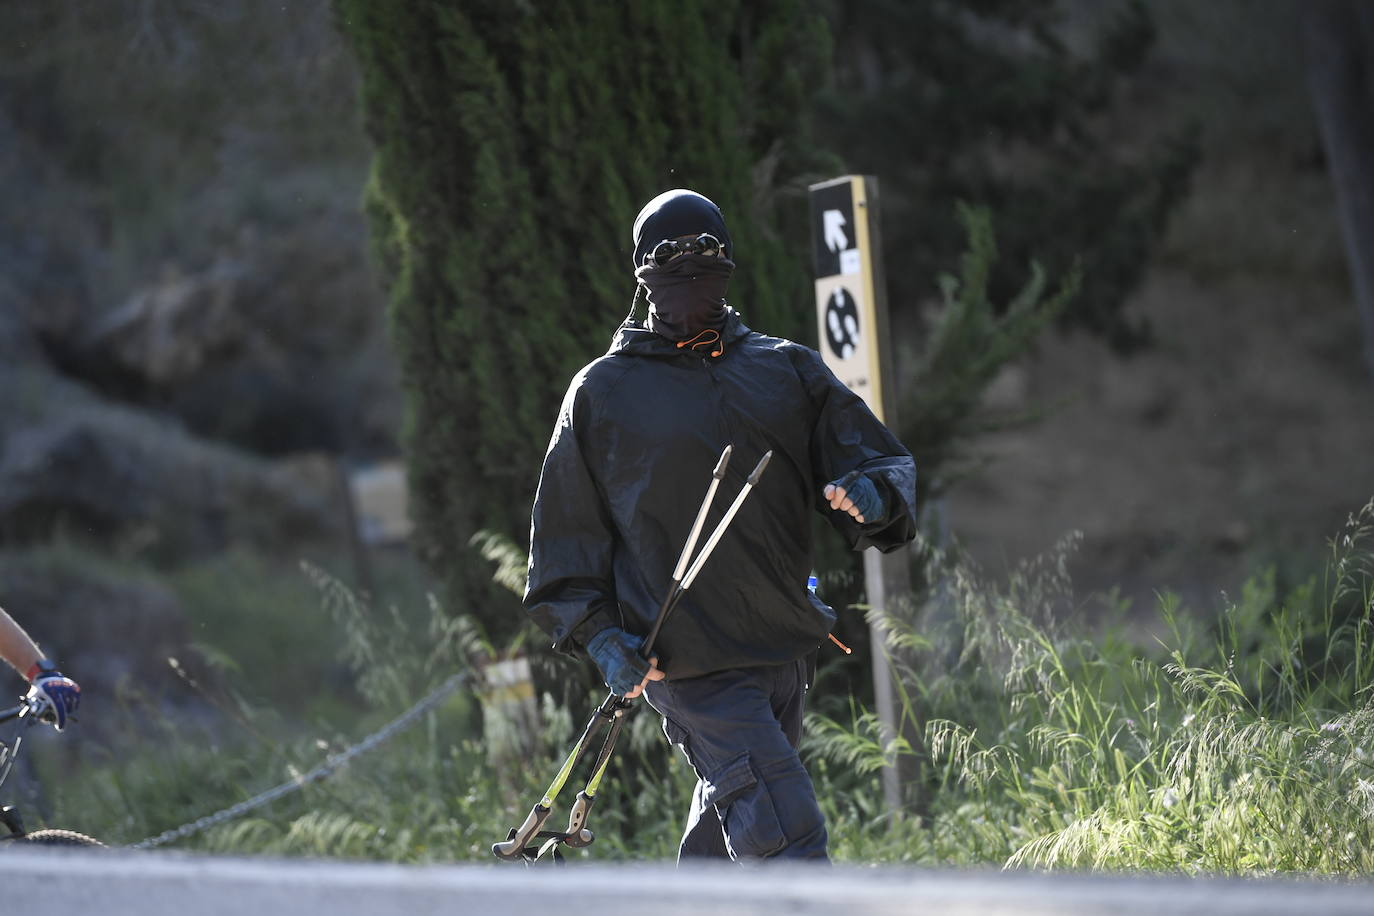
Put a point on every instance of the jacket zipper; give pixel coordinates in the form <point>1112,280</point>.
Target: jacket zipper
<point>720,401</point>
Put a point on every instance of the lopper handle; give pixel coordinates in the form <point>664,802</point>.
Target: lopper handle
<point>577,833</point>
<point>758,468</point>
<point>683,582</point>
<point>646,648</point>
<point>724,523</point>
<point>514,848</point>
<point>716,477</point>
<point>719,472</point>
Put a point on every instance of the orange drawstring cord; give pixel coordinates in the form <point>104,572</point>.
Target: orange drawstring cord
<point>697,341</point>
<point>847,650</point>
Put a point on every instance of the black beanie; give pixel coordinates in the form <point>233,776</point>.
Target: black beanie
<point>674,213</point>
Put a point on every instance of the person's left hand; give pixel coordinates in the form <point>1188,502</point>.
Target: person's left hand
<point>855,493</point>
<point>616,653</point>
<point>54,698</point>
<point>653,675</point>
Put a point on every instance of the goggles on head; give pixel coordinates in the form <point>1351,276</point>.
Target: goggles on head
<point>666,250</point>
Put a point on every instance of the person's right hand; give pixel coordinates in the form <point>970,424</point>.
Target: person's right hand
<point>855,493</point>
<point>616,654</point>
<point>54,697</point>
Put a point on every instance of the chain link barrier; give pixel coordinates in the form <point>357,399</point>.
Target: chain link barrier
<point>324,770</point>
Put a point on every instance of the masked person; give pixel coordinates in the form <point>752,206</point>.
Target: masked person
<point>638,434</point>
<point>52,695</point>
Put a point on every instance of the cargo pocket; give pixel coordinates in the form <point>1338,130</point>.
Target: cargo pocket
<point>746,810</point>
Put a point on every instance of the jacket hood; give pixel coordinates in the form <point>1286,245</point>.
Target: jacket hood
<point>634,339</point>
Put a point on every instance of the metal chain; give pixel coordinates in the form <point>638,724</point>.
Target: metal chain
<point>322,771</point>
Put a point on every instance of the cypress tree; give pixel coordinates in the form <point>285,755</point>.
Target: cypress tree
<point>514,144</point>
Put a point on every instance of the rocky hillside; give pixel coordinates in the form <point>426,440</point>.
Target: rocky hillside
<point>191,342</point>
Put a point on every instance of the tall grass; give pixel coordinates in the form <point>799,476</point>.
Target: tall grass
<point>1243,746</point>
<point>432,793</point>
<point>1237,743</point>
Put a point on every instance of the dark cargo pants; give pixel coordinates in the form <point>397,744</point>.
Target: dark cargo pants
<point>739,730</point>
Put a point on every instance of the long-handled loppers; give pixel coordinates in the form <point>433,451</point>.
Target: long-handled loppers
<point>612,710</point>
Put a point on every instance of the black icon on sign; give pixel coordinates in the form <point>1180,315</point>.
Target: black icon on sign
<point>842,323</point>
<point>832,227</point>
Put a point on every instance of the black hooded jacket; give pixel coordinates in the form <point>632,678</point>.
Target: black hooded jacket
<point>631,457</point>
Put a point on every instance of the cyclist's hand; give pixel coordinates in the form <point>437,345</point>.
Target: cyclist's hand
<point>54,697</point>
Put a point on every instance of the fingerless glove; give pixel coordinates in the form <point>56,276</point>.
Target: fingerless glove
<point>865,496</point>
<point>616,654</point>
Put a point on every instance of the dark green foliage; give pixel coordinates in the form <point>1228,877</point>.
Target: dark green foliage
<point>973,337</point>
<point>514,147</point>
<point>999,103</point>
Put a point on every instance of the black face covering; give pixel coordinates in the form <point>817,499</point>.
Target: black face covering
<point>686,295</point>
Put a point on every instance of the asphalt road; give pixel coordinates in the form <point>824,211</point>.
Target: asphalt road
<point>112,883</point>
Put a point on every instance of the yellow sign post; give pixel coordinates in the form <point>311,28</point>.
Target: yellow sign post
<point>851,312</point>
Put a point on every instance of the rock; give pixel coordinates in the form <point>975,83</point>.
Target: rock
<point>17,343</point>
<point>169,331</point>
<point>68,458</point>
<point>278,346</point>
